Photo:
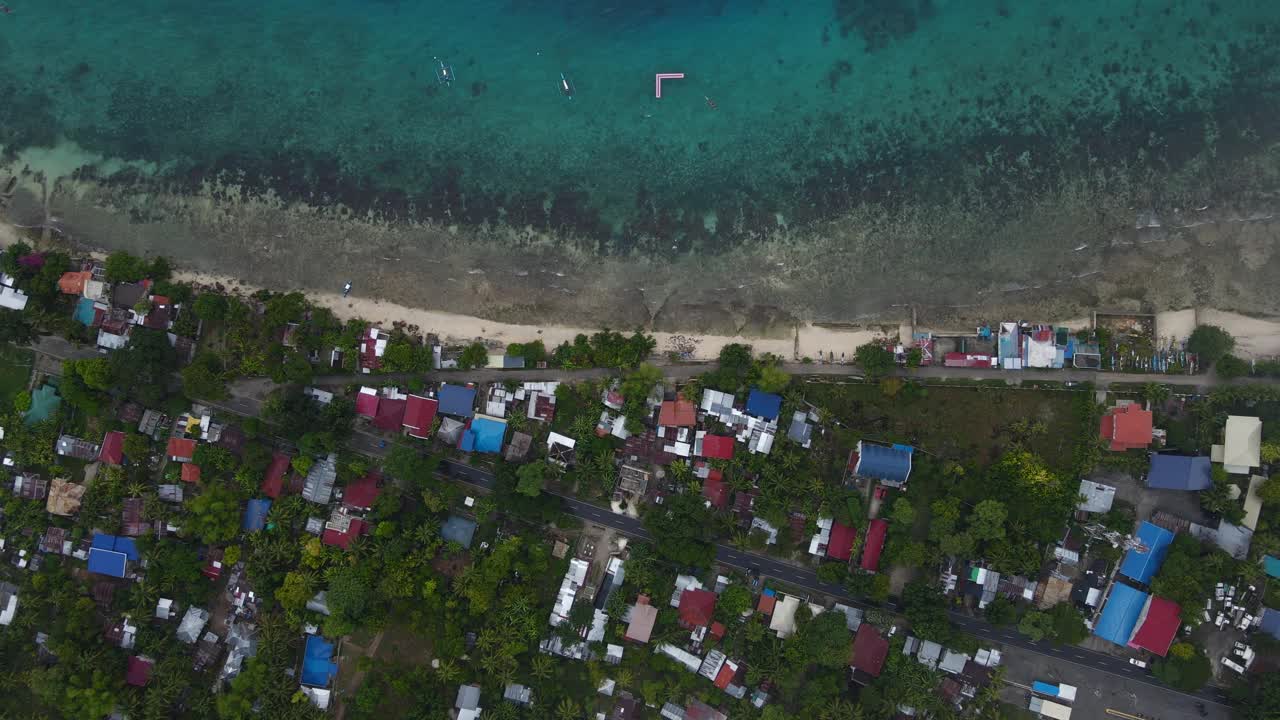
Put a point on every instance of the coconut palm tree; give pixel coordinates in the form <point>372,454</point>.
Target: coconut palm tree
<point>837,709</point>
<point>540,667</point>
<point>568,710</point>
<point>625,677</point>
<point>448,672</point>
<point>501,711</point>
<point>1155,393</point>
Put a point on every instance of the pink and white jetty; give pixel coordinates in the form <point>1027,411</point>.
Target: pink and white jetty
<point>657,81</point>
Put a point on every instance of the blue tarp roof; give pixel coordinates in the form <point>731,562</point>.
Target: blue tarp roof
<point>118,544</point>
<point>1120,614</point>
<point>110,555</point>
<point>1142,566</point>
<point>1270,622</point>
<point>458,529</point>
<point>1179,472</point>
<point>488,435</point>
<point>84,313</point>
<point>107,562</point>
<point>1271,565</point>
<point>467,441</point>
<point>892,464</point>
<point>255,515</point>
<point>764,405</point>
<point>318,668</point>
<point>457,400</point>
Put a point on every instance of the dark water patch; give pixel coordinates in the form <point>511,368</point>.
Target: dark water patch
<point>881,22</point>
<point>26,119</point>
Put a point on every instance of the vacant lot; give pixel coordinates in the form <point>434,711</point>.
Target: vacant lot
<point>964,424</point>
<point>15,371</point>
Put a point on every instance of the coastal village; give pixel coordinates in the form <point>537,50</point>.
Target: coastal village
<point>742,541</point>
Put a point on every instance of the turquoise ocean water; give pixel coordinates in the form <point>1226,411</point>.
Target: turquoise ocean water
<point>817,104</point>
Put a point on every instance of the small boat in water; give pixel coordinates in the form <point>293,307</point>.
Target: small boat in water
<point>444,72</point>
<point>566,87</point>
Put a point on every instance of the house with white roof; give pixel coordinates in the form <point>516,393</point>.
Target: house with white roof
<point>1241,449</point>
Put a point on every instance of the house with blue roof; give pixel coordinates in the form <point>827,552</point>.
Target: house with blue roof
<point>891,465</point>
<point>457,400</point>
<point>318,668</point>
<point>255,515</point>
<point>1179,472</point>
<point>485,435</point>
<point>763,404</point>
<point>1142,565</point>
<point>1269,623</point>
<point>110,555</point>
<point>1120,615</point>
<point>459,529</point>
<point>88,312</point>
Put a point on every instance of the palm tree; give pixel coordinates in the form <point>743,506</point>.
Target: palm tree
<point>501,711</point>
<point>1155,393</point>
<point>568,710</point>
<point>837,709</point>
<point>448,672</point>
<point>540,667</point>
<point>625,677</point>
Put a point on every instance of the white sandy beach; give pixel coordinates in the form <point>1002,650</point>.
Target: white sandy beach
<point>809,342</point>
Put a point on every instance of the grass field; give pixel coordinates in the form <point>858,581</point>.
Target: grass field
<point>963,424</point>
<point>15,371</point>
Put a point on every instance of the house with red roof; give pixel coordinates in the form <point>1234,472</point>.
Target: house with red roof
<point>138,671</point>
<point>373,344</point>
<point>390,415</point>
<point>840,546</point>
<point>697,608</point>
<point>717,447</point>
<point>678,413</point>
<point>871,550</point>
<point>367,402</point>
<point>419,414</point>
<point>72,283</point>
<point>342,529</point>
<point>361,494</point>
<point>190,473</point>
<point>870,649</point>
<point>112,452</point>
<point>1159,627</point>
<point>181,449</point>
<point>768,601</point>
<point>273,480</point>
<point>728,671</point>
<point>716,490</point>
<point>1126,428</point>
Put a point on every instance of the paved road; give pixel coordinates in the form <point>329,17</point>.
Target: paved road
<point>808,579</point>
<point>686,371</point>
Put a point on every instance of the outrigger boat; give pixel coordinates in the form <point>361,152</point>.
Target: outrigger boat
<point>444,73</point>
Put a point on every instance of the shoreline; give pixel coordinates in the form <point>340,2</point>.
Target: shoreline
<point>1256,337</point>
